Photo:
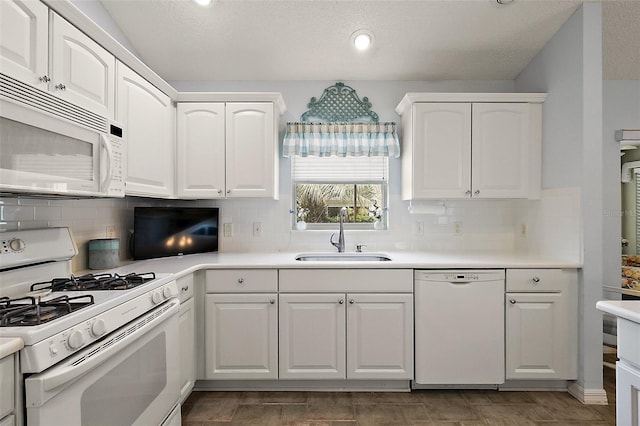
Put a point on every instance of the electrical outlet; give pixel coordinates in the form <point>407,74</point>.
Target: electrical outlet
<point>111,231</point>
<point>257,229</point>
<point>227,230</point>
<point>457,228</point>
<point>523,230</point>
<point>420,228</point>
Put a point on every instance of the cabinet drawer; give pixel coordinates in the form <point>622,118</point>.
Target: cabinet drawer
<point>185,287</point>
<point>346,280</point>
<point>242,280</point>
<point>628,342</point>
<point>540,280</point>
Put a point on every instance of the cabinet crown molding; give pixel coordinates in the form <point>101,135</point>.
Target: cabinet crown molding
<point>411,98</point>
<point>274,97</point>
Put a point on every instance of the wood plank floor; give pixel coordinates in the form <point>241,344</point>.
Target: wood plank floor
<point>432,407</point>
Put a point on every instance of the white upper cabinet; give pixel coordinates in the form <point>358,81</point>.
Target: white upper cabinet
<point>68,63</point>
<point>82,72</point>
<point>24,27</point>
<point>251,152</point>
<point>228,149</point>
<point>148,116</point>
<point>442,158</point>
<point>200,153</point>
<point>471,145</point>
<point>500,151</point>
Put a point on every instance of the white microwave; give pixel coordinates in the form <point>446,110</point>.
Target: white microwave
<point>51,146</point>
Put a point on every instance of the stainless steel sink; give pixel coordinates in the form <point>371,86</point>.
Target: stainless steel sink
<point>343,257</point>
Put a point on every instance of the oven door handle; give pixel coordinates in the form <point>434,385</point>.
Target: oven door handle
<point>95,355</point>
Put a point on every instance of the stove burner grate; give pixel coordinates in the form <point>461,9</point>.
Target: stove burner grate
<point>26,311</point>
<point>93,282</point>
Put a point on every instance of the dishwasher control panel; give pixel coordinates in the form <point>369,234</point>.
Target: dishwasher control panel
<point>459,276</point>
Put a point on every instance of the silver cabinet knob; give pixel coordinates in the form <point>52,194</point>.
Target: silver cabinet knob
<point>240,280</point>
<point>512,301</point>
<point>477,191</point>
<point>44,79</point>
<point>341,301</point>
<point>351,301</point>
<point>185,288</point>
<point>61,86</point>
<point>228,191</point>
<point>219,191</point>
<point>468,192</point>
<point>535,280</point>
<point>272,301</point>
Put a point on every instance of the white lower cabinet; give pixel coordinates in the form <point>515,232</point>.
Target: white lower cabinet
<point>187,324</point>
<point>541,324</point>
<point>346,336</point>
<point>7,390</point>
<point>312,336</point>
<point>187,320</point>
<point>241,339</point>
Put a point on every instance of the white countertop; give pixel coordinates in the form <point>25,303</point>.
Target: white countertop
<point>181,265</point>
<point>9,345</point>
<point>627,309</point>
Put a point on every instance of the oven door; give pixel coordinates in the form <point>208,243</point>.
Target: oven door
<point>130,377</point>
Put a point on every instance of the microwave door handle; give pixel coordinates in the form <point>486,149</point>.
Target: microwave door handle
<point>106,144</point>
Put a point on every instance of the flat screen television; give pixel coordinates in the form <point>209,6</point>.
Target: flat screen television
<point>173,231</point>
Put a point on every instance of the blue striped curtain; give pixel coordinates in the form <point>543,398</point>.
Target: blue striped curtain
<point>341,140</point>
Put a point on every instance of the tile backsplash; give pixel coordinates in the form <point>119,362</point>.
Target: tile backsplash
<point>464,225</point>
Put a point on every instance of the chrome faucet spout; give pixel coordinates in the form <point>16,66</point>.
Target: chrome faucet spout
<point>340,243</point>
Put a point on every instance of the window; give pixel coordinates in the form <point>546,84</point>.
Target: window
<point>323,185</point>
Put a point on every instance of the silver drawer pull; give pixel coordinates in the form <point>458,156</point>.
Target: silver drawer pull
<point>535,280</point>
<point>61,86</point>
<point>240,280</point>
<point>272,301</point>
<point>44,79</point>
<point>185,288</point>
<point>512,301</point>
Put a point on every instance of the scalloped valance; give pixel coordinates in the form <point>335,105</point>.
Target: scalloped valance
<point>338,133</point>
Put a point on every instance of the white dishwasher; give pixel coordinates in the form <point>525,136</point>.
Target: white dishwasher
<point>459,327</point>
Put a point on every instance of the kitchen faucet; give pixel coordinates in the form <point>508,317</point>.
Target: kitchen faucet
<point>340,243</point>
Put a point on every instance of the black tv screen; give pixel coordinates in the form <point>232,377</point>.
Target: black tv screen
<point>172,231</point>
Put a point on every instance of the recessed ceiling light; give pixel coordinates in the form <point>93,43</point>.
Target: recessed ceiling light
<point>203,2</point>
<point>362,39</point>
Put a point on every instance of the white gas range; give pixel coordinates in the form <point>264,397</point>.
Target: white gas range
<point>91,341</point>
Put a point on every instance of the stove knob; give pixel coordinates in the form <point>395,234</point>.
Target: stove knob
<point>76,339</point>
<point>167,292</point>
<point>98,328</point>
<point>16,244</point>
<point>156,297</point>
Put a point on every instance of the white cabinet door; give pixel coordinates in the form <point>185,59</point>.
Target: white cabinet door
<point>312,336</point>
<point>380,336</point>
<point>627,394</point>
<point>541,336</point>
<point>24,41</point>
<point>252,150</point>
<point>187,322</point>
<point>500,154</point>
<point>200,150</point>
<point>441,150</point>
<point>82,72</point>
<point>241,340</point>
<point>148,117</point>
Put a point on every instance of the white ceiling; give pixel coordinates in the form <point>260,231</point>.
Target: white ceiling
<point>310,39</point>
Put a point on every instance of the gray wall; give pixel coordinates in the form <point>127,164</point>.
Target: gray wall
<point>98,14</point>
<point>569,68</point>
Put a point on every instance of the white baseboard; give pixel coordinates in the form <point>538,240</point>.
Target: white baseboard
<point>588,396</point>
